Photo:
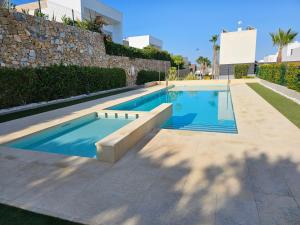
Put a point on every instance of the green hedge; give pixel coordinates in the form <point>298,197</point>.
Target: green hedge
<point>241,70</point>
<point>287,74</point>
<point>28,85</point>
<point>146,53</point>
<point>293,77</point>
<point>148,76</point>
<point>273,72</point>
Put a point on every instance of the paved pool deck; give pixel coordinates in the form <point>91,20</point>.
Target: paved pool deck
<point>171,177</point>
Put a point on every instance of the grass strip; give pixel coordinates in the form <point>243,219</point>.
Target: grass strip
<point>10,215</point>
<point>287,107</point>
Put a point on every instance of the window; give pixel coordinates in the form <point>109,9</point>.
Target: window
<point>292,51</point>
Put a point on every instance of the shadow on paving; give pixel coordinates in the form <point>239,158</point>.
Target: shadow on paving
<point>161,185</point>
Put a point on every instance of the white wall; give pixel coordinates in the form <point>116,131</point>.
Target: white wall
<point>238,47</point>
<point>112,16</point>
<point>156,42</point>
<point>291,52</point>
<point>59,8</point>
<point>144,41</point>
<point>139,41</point>
<point>296,54</point>
<point>270,58</point>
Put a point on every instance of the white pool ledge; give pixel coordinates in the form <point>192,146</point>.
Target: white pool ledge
<point>113,147</point>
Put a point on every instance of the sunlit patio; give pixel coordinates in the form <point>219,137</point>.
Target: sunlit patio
<point>171,177</point>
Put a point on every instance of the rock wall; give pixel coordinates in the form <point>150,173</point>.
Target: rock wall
<point>28,41</point>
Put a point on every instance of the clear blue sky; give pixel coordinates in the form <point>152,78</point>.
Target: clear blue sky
<point>185,25</point>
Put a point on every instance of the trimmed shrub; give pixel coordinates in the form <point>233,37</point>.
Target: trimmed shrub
<point>146,53</point>
<point>287,74</point>
<point>148,76</point>
<point>266,72</point>
<point>206,77</point>
<point>172,74</point>
<point>276,73</point>
<point>240,70</point>
<point>273,72</point>
<point>191,76</point>
<point>293,77</point>
<point>28,85</point>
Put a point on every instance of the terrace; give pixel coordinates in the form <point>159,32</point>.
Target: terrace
<point>191,177</point>
<point>94,132</point>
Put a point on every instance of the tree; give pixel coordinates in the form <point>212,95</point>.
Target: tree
<point>214,40</point>
<point>216,67</point>
<point>204,62</point>
<point>178,61</point>
<point>282,39</point>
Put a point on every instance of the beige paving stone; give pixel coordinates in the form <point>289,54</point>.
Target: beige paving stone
<point>239,209</point>
<point>171,177</point>
<point>274,209</point>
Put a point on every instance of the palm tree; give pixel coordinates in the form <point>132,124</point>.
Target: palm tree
<point>282,39</point>
<point>214,40</point>
<point>178,61</point>
<point>204,62</point>
<point>216,67</point>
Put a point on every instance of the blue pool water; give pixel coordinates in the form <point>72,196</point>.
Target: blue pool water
<point>76,138</point>
<point>200,110</point>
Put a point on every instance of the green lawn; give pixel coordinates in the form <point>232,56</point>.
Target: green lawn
<point>289,108</point>
<point>14,216</point>
<point>16,115</point>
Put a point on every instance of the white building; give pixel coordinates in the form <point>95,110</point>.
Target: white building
<point>290,53</point>
<point>144,41</point>
<point>82,9</point>
<point>270,58</point>
<point>237,47</point>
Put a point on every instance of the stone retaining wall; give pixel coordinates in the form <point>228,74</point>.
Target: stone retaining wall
<point>28,41</point>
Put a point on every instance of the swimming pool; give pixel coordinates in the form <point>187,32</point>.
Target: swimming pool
<point>76,137</point>
<point>194,108</point>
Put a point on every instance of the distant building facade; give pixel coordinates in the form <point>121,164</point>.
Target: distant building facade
<point>290,53</point>
<point>237,47</point>
<point>187,62</point>
<point>82,9</point>
<point>269,58</point>
<point>143,41</point>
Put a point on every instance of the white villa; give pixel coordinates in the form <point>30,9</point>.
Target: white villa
<point>238,47</point>
<point>82,9</point>
<point>143,41</point>
<point>290,53</point>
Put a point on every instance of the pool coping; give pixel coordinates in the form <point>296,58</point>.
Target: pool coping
<point>42,126</point>
<point>123,138</point>
<point>114,146</point>
<point>164,157</point>
<point>101,107</point>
